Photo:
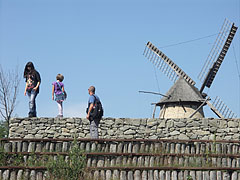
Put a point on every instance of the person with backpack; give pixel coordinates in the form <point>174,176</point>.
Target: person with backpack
<point>33,81</point>
<point>60,94</point>
<point>94,112</point>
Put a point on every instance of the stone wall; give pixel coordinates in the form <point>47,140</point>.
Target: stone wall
<point>124,128</point>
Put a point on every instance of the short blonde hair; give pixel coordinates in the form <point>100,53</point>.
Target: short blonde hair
<point>60,77</point>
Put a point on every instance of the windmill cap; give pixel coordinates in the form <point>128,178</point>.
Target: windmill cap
<point>182,91</point>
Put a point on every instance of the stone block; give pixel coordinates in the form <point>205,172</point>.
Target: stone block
<point>179,124</point>
<point>201,132</point>
<point>29,136</point>
<point>151,122</point>
<point>213,123</point>
<point>233,124</point>
<point>118,122</point>
<point>174,133</point>
<point>130,132</point>
<point>183,136</point>
<point>144,122</point>
<point>170,123</point>
<point>162,124</point>
<point>136,122</point>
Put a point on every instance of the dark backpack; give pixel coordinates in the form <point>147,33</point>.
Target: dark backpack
<point>97,111</point>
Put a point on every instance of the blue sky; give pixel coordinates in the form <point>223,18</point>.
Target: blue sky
<point>101,43</point>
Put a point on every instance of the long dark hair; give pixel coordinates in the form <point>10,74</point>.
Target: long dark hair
<point>27,71</point>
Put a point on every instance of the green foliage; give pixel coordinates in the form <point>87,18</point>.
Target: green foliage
<point>16,160</point>
<point>60,167</point>
<point>189,177</point>
<point>13,160</point>
<point>3,157</point>
<point>36,160</point>
<point>71,168</point>
<point>3,129</point>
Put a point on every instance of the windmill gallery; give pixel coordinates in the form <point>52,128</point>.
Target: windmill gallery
<point>184,100</point>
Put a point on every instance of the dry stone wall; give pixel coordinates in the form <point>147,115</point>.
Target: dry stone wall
<point>125,128</point>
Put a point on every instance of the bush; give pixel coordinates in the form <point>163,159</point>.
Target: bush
<point>3,129</point>
<point>3,157</point>
<point>68,169</point>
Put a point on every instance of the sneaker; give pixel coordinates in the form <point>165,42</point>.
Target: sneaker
<point>30,115</point>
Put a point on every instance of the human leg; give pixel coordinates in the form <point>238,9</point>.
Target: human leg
<point>94,128</point>
<point>60,108</point>
<point>32,103</point>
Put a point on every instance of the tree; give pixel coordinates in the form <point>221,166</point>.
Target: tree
<point>9,87</point>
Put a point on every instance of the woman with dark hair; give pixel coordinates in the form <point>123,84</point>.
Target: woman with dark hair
<point>33,81</point>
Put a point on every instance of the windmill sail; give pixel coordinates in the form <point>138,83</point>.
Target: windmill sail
<point>217,54</point>
<point>184,99</point>
<point>165,64</point>
<point>223,110</point>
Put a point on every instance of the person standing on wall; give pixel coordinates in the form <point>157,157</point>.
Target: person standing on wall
<point>33,81</point>
<point>94,112</point>
<point>60,94</point>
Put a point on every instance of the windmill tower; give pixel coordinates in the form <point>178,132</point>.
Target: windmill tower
<point>184,100</point>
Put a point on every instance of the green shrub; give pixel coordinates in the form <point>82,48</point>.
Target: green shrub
<point>68,169</point>
<point>3,129</point>
<point>3,157</point>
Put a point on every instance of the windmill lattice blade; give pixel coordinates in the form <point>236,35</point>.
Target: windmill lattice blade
<point>215,110</point>
<point>212,55</point>
<point>217,54</point>
<point>223,109</point>
<point>165,64</point>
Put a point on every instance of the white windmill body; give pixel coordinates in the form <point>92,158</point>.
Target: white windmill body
<point>182,101</point>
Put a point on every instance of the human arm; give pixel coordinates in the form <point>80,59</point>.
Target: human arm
<point>90,106</point>
<point>89,110</point>
<point>53,88</point>
<point>25,91</point>
<point>38,78</point>
<point>37,86</point>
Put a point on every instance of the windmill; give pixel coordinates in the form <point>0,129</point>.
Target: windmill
<point>184,100</point>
